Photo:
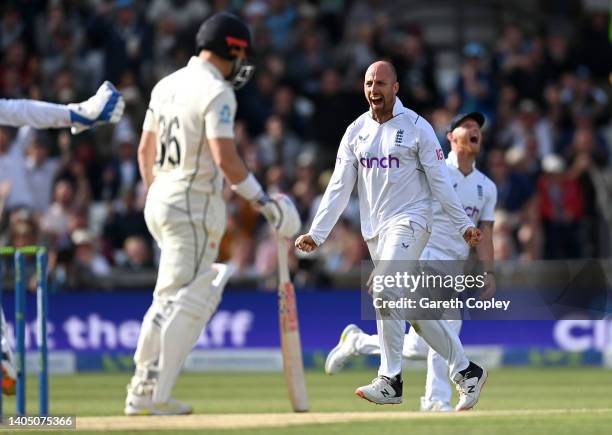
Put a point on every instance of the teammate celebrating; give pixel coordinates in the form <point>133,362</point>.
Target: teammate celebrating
<point>106,106</point>
<point>478,195</point>
<point>395,157</point>
<point>187,145</point>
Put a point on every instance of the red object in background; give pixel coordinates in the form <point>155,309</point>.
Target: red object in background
<point>571,199</point>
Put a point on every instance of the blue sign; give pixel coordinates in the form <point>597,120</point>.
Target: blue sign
<point>110,322</point>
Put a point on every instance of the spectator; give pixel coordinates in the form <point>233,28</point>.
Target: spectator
<point>417,80</point>
<point>136,254</point>
<point>40,173</point>
<point>281,17</point>
<point>55,222</point>
<point>475,91</point>
<point>331,112</point>
<point>561,208</point>
<point>125,220</point>
<point>278,145</point>
<point>121,172</point>
<point>513,190</point>
<point>529,125</point>
<point>89,268</point>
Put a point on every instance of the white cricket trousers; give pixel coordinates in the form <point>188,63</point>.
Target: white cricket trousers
<point>405,242</point>
<point>188,232</point>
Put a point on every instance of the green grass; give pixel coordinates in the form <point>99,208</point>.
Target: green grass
<point>506,389</point>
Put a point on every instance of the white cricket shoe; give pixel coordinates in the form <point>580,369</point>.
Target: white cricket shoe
<point>106,106</point>
<point>382,390</point>
<point>139,401</point>
<point>435,406</point>
<point>469,383</point>
<point>344,350</point>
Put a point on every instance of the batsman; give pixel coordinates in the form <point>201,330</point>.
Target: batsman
<point>393,155</point>
<point>186,149</point>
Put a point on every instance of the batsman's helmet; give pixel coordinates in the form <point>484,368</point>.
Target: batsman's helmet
<point>219,34</point>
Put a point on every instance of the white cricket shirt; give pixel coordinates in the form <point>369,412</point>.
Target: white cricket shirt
<point>398,166</point>
<point>187,108</point>
<point>478,195</point>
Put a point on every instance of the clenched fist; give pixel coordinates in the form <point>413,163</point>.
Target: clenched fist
<point>472,236</point>
<point>305,243</point>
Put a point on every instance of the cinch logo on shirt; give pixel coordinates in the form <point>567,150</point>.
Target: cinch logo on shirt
<point>386,162</point>
<point>472,211</point>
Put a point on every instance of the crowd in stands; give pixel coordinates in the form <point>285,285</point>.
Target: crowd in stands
<point>547,146</point>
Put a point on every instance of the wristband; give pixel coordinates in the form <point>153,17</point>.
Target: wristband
<point>249,188</point>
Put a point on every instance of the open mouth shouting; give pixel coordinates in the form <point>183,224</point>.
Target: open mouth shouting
<point>377,101</point>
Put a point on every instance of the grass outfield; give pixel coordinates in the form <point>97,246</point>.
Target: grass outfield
<point>525,401</point>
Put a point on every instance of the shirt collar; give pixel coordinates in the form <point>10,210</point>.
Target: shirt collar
<point>454,162</point>
<point>398,108</point>
<point>196,62</point>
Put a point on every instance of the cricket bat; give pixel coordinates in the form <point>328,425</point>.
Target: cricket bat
<point>291,347</point>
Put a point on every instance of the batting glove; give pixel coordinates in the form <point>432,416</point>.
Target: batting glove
<point>106,106</point>
<point>270,209</point>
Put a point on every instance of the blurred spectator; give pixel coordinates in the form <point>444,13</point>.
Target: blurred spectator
<point>307,63</point>
<point>344,250</point>
<point>285,106</point>
<point>475,90</point>
<point>513,189</point>
<point>40,173</point>
<point>55,222</point>
<point>415,62</point>
<point>529,125</point>
<point>280,20</point>
<point>185,14</point>
<point>125,40</point>
<point>580,96</point>
<point>586,158</point>
<point>331,114</point>
<point>558,55</point>
<point>594,46</point>
<point>278,145</point>
<point>121,172</point>
<point>11,26</point>
<point>89,268</point>
<point>23,230</point>
<point>124,221</point>
<point>136,254</point>
<point>561,208</point>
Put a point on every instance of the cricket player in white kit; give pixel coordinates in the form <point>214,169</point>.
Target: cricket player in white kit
<point>187,147</point>
<point>106,106</point>
<point>395,158</point>
<point>478,195</point>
